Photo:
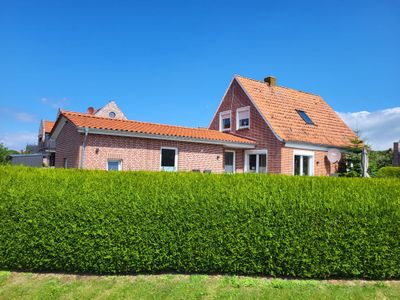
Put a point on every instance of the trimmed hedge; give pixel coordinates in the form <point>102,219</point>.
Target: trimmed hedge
<point>133,222</point>
<point>387,172</point>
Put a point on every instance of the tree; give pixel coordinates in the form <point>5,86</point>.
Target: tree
<point>5,154</point>
<point>350,164</point>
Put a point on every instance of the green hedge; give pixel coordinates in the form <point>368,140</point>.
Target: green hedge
<point>388,172</point>
<point>134,222</point>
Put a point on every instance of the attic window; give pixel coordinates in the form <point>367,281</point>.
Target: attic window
<point>305,117</point>
<point>112,114</point>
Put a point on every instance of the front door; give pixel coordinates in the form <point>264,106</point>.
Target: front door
<point>256,161</point>
<point>229,161</point>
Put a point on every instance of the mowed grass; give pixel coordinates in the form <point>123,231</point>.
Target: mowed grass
<point>15,285</point>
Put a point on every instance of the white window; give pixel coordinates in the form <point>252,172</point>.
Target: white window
<point>225,121</point>
<point>303,163</point>
<point>255,161</point>
<point>243,117</point>
<point>229,161</point>
<point>169,159</point>
<point>114,165</point>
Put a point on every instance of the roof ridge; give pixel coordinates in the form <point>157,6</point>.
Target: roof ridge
<point>141,122</point>
<point>279,86</point>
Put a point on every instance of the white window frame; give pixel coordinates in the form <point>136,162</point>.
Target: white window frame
<point>239,110</point>
<point>119,161</point>
<point>176,157</point>
<point>223,115</point>
<point>303,153</point>
<point>234,160</point>
<point>246,159</point>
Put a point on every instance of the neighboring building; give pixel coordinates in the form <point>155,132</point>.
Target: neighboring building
<point>258,127</point>
<point>46,145</point>
<point>31,160</point>
<point>396,154</point>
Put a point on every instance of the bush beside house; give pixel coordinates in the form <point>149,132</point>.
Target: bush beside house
<point>388,172</point>
<point>132,222</point>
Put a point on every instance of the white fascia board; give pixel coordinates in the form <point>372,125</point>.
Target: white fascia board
<point>258,110</point>
<point>57,130</point>
<point>220,102</point>
<point>166,137</point>
<point>311,147</point>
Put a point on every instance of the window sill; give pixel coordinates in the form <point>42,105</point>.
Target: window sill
<point>241,128</point>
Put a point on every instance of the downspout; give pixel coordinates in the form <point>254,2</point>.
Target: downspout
<point>83,147</point>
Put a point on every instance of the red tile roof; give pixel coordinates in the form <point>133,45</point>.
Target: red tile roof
<point>90,121</point>
<point>279,104</point>
<point>48,126</point>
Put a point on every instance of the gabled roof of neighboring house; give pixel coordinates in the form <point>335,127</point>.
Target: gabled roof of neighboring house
<point>160,131</point>
<point>48,126</point>
<point>281,107</point>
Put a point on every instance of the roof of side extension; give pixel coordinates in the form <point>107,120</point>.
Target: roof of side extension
<point>90,121</point>
<point>280,106</point>
<point>48,126</point>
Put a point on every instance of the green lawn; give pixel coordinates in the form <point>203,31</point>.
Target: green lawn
<point>15,285</point>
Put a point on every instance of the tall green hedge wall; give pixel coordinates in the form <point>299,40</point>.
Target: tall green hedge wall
<point>99,222</point>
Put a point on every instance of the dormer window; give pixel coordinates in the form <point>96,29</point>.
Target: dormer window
<point>243,117</point>
<point>305,117</point>
<point>225,121</point>
<point>112,114</point>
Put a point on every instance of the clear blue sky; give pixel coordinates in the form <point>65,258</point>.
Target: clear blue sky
<point>171,61</point>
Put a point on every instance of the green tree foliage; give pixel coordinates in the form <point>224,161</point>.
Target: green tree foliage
<point>387,172</point>
<point>5,154</point>
<point>131,222</point>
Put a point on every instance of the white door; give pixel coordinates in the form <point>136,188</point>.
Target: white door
<point>255,161</point>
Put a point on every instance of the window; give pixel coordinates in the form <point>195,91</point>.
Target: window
<point>65,162</point>
<point>243,117</point>
<point>305,117</point>
<point>112,114</point>
<point>303,163</point>
<point>114,165</point>
<point>225,121</point>
<point>256,161</point>
<point>229,161</point>
<point>169,159</point>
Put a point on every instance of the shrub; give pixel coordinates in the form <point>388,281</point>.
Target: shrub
<point>133,222</point>
<point>389,172</point>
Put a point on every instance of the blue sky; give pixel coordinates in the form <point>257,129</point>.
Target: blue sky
<point>171,61</point>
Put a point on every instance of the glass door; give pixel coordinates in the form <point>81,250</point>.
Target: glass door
<point>256,161</point>
<point>229,162</point>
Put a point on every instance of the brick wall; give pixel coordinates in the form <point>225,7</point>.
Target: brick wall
<point>396,154</point>
<point>259,131</point>
<point>144,154</point>
<point>68,145</point>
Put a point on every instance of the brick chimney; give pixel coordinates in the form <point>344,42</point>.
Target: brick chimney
<point>396,155</point>
<point>270,80</point>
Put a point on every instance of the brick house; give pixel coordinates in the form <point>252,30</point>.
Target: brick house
<point>257,127</point>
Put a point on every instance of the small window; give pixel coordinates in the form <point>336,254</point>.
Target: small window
<point>305,117</point>
<point>169,159</point>
<point>113,165</point>
<point>243,118</point>
<point>112,114</point>
<point>225,121</point>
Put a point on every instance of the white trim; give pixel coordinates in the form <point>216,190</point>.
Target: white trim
<point>258,109</point>
<point>222,115</point>
<point>234,160</point>
<point>307,146</point>
<point>303,153</point>
<point>167,137</point>
<point>57,130</point>
<point>176,157</point>
<point>246,159</point>
<point>119,161</point>
<point>239,110</point>
<point>222,100</point>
